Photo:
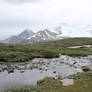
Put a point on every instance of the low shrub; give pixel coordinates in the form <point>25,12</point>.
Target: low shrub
<point>49,54</point>
<point>13,57</point>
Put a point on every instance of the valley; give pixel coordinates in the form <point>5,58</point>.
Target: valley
<point>64,60</point>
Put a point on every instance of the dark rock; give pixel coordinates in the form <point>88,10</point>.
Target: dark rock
<point>46,70</point>
<point>18,68</point>
<point>74,62</point>
<point>22,71</point>
<point>0,70</point>
<point>40,68</point>
<point>10,70</point>
<point>85,69</point>
<point>54,72</point>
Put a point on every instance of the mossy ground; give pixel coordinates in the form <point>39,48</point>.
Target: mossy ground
<point>44,50</point>
<point>83,84</point>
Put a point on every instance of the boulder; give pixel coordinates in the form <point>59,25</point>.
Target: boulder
<point>85,68</point>
<point>67,82</point>
<point>10,70</point>
<point>54,72</point>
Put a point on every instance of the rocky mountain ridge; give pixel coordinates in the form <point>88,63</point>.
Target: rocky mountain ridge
<point>29,37</point>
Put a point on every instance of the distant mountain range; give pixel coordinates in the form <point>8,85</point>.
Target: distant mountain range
<point>29,37</point>
<point>61,32</point>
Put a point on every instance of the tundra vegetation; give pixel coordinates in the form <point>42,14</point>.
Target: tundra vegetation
<point>21,53</point>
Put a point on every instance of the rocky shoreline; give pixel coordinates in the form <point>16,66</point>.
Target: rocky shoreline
<point>63,68</point>
<point>83,63</point>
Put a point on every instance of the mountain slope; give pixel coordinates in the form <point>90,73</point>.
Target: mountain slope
<point>29,37</point>
<point>19,39</point>
<point>43,36</point>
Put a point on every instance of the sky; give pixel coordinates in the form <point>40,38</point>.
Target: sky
<point>17,15</point>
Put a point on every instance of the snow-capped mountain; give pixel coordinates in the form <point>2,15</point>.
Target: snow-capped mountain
<point>29,37</point>
<point>60,32</point>
<point>43,35</point>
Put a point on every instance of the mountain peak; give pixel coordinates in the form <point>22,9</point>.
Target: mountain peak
<point>27,31</point>
<point>28,37</point>
<point>46,30</point>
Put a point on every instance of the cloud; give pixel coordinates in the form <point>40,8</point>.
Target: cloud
<point>16,15</point>
<point>24,1</point>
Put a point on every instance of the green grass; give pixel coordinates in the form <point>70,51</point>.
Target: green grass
<point>13,57</point>
<point>68,42</point>
<point>76,51</point>
<point>83,84</point>
<point>44,50</point>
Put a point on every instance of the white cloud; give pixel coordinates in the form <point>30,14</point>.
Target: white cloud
<point>24,1</point>
<point>16,15</point>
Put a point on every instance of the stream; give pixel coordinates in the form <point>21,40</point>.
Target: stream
<point>28,73</point>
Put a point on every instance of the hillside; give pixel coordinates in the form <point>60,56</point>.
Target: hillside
<point>68,42</point>
<point>21,53</point>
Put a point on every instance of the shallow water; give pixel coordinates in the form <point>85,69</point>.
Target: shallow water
<point>29,77</point>
<point>62,66</point>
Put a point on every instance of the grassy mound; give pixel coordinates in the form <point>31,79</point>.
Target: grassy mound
<point>13,57</point>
